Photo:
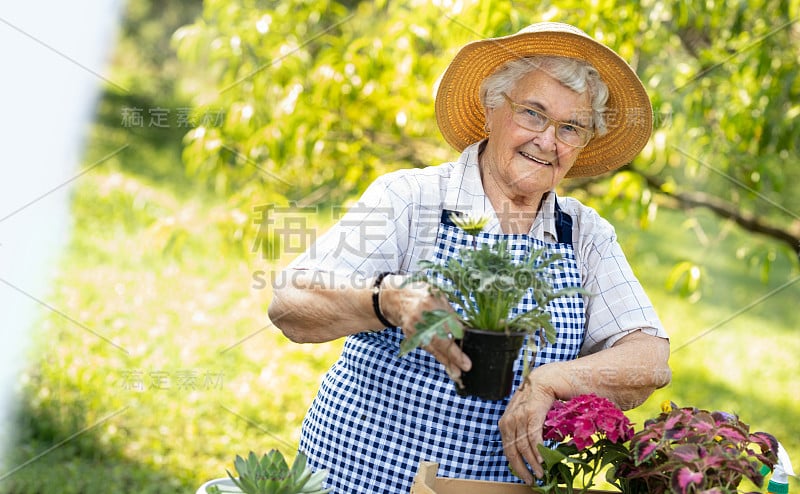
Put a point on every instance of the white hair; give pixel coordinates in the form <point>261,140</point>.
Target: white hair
<point>578,75</point>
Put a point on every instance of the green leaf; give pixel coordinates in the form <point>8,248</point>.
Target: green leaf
<point>436,323</point>
<point>550,456</point>
<point>299,464</point>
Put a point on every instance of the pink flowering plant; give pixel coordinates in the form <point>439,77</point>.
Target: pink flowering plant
<point>683,450</point>
<point>597,431</point>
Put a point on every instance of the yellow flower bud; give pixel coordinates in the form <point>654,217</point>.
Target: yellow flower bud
<point>470,224</point>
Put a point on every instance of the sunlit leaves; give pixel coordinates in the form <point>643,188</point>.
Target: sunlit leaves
<point>334,91</point>
<point>685,279</point>
<point>326,96</point>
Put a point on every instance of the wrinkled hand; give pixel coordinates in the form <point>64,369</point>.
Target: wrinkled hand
<point>521,427</point>
<point>404,305</point>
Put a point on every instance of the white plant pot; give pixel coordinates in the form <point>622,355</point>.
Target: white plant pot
<point>225,484</point>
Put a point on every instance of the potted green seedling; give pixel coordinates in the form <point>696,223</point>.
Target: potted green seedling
<point>486,283</point>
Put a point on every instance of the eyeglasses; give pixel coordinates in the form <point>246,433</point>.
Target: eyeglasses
<point>538,121</point>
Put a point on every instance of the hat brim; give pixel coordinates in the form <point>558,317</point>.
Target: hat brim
<point>629,115</point>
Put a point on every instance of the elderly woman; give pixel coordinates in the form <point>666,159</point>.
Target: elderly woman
<point>527,110</point>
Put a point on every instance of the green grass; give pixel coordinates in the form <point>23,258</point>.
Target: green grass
<point>168,366</point>
<point>167,335</point>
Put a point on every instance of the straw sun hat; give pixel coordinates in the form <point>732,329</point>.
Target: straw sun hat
<point>629,116</point>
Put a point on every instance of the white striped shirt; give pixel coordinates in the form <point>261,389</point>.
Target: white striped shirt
<point>394,224</point>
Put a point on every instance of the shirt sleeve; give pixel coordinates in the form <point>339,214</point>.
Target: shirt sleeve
<point>369,238</point>
<point>617,304</point>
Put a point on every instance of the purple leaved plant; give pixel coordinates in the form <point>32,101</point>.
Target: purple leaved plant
<point>687,450</point>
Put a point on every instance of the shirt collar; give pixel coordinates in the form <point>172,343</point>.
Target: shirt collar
<point>544,225</point>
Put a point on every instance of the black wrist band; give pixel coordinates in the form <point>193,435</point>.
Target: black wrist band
<point>376,305</point>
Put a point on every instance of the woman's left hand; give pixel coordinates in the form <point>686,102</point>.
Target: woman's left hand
<point>522,422</point>
<point>627,373</point>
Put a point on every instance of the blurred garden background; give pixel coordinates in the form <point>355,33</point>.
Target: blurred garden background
<point>230,134</point>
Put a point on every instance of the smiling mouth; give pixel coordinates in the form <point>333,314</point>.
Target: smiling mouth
<point>535,159</point>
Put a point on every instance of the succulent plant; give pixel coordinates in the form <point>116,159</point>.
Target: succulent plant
<point>272,475</point>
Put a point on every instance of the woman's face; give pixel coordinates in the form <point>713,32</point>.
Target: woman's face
<point>522,164</point>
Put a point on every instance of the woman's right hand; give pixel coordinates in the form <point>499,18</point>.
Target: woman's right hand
<point>403,304</point>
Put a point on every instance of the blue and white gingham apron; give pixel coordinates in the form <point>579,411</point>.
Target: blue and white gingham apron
<point>377,415</point>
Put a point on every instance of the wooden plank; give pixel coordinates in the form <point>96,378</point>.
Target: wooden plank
<point>426,482</point>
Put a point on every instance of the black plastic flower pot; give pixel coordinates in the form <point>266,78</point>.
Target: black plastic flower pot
<point>493,355</point>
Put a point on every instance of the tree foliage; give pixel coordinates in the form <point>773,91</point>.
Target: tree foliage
<point>724,81</point>
<point>321,96</point>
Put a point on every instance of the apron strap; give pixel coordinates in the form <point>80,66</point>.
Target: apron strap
<point>445,220</point>
<point>563,224</point>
